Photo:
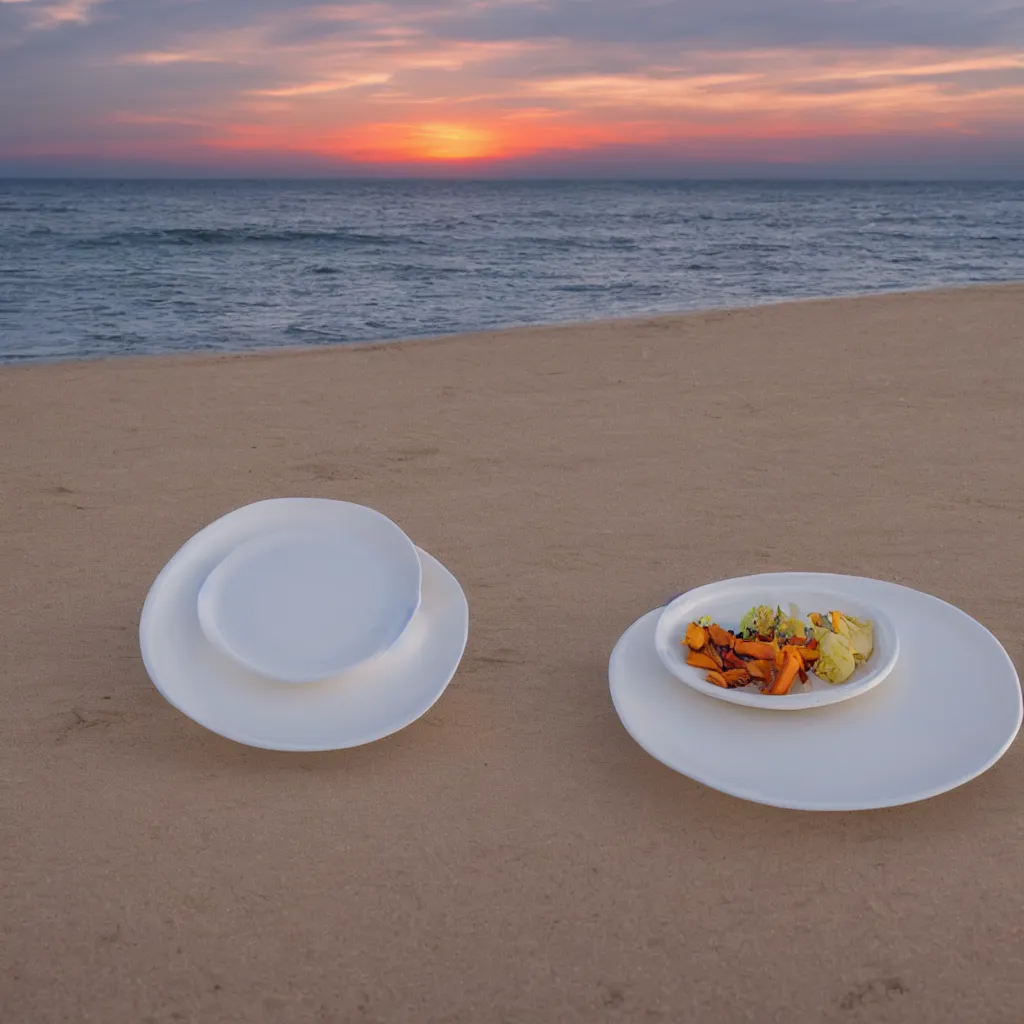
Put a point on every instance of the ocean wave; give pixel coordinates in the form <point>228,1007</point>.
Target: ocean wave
<point>611,286</point>
<point>16,206</point>
<point>747,246</point>
<point>298,331</point>
<point>615,243</point>
<point>240,236</point>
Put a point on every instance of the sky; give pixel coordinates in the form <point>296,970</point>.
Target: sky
<point>513,88</point>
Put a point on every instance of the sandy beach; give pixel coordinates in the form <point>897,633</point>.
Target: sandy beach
<point>514,857</point>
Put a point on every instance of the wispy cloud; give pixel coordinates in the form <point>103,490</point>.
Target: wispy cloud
<point>49,14</point>
<point>769,83</point>
<point>328,86</point>
<point>155,58</point>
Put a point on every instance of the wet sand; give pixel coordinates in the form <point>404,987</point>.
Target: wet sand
<point>513,857</point>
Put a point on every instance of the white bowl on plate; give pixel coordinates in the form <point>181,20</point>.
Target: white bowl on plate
<point>365,703</point>
<point>308,602</point>
<point>728,601</point>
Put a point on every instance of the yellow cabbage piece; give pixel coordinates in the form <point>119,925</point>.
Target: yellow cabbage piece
<point>817,632</point>
<point>860,633</point>
<point>836,662</point>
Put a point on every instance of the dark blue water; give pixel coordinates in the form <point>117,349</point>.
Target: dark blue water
<point>110,268</point>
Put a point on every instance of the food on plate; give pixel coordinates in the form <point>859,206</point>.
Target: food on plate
<point>696,636</point>
<point>698,660</point>
<point>774,650</point>
<point>860,634</point>
<point>836,663</point>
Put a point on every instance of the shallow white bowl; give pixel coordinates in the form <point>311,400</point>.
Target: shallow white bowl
<point>306,603</point>
<point>729,600</point>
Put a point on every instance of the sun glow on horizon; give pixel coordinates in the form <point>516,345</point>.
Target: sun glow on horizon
<point>444,142</point>
<point>425,143</point>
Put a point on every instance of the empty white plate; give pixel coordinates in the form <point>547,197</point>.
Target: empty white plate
<point>949,710</point>
<point>299,605</point>
<point>364,704</point>
<point>729,600</point>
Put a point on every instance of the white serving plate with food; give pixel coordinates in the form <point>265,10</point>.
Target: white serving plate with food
<point>727,601</point>
<point>949,710</point>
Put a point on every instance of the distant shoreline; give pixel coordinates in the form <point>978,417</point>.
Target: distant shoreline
<point>660,319</point>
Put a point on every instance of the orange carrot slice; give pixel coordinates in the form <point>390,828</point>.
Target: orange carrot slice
<point>792,663</point>
<point>700,660</point>
<point>696,637</point>
<point>756,649</point>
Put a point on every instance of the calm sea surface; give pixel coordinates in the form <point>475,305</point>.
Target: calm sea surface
<point>114,268</point>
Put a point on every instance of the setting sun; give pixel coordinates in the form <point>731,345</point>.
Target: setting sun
<point>452,142</point>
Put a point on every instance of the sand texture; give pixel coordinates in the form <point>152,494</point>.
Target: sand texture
<point>513,857</point>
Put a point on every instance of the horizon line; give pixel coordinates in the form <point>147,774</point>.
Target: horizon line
<point>518,179</point>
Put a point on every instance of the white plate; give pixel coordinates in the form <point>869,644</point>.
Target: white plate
<point>729,600</point>
<point>950,709</point>
<point>315,599</point>
<point>359,706</point>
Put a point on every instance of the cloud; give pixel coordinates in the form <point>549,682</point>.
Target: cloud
<point>748,23</point>
<point>331,85</point>
<point>50,14</point>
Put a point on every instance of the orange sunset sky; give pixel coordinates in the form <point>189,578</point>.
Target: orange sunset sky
<point>512,87</point>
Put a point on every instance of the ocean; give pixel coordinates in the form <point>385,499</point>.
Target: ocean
<point>109,268</point>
